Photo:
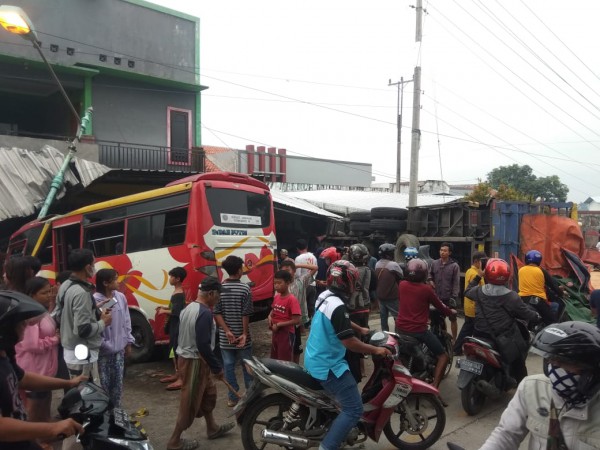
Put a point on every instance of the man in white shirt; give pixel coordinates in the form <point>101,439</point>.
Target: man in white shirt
<point>306,258</point>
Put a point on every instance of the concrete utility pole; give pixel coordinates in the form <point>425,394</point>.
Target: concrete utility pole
<point>400,85</point>
<point>416,118</point>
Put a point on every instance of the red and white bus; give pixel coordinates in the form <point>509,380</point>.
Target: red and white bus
<point>195,223</point>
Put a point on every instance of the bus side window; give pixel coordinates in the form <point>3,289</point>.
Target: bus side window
<point>103,239</point>
<point>156,231</point>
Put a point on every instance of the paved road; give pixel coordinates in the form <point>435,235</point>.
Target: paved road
<point>144,390</point>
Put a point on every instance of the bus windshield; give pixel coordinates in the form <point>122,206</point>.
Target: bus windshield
<point>239,209</point>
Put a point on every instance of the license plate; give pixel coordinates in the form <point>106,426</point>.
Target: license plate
<point>470,366</point>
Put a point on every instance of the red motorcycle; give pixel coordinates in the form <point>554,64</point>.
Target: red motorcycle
<point>286,407</point>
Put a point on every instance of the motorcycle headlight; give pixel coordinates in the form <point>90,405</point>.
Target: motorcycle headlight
<point>135,445</point>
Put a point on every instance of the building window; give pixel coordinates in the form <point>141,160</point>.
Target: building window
<point>179,135</point>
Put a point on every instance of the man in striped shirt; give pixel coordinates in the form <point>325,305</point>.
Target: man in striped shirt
<point>232,315</point>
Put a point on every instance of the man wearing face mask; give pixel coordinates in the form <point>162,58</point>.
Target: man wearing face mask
<point>560,408</point>
<point>81,321</point>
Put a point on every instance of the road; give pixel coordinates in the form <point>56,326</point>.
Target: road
<point>143,390</point>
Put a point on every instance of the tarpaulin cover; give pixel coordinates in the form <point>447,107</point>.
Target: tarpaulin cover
<point>550,234</point>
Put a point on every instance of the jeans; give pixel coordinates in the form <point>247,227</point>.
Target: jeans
<point>345,392</point>
<point>387,308</point>
<point>230,358</point>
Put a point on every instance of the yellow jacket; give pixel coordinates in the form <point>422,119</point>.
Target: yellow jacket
<point>468,304</point>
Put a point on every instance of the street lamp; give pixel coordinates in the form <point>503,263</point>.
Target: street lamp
<point>14,20</point>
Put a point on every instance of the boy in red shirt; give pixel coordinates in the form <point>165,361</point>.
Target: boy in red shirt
<point>285,315</point>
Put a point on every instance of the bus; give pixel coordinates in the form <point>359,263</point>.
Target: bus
<point>195,223</point>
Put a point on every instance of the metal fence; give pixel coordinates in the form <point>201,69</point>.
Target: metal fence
<point>120,155</point>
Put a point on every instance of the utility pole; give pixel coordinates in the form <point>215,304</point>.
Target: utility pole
<point>416,118</point>
<point>400,85</point>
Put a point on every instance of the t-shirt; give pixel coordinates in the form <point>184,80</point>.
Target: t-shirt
<point>196,335</point>
<point>532,282</point>
<point>305,258</point>
<point>413,310</point>
<point>595,303</point>
<point>330,325</point>
<point>10,401</point>
<point>234,304</point>
<point>468,304</point>
<point>176,306</point>
<point>298,290</point>
<point>283,308</point>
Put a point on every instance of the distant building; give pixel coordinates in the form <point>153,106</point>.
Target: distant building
<point>590,204</point>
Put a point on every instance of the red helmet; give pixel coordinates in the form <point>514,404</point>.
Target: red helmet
<point>497,271</point>
<point>417,270</point>
<point>331,254</point>
<point>342,276</point>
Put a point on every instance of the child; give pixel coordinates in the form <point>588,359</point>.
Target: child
<point>38,351</point>
<point>116,338</point>
<point>176,305</point>
<point>298,289</point>
<point>232,315</point>
<point>285,315</point>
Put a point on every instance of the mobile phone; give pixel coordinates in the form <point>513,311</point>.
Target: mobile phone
<point>109,304</point>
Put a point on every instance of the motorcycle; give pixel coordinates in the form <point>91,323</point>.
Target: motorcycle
<point>482,374</point>
<point>105,429</point>
<point>417,357</point>
<point>299,412</point>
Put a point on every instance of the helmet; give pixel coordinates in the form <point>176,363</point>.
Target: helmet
<point>330,253</point>
<point>410,253</point>
<point>14,308</point>
<point>342,276</point>
<point>533,257</point>
<point>359,253</point>
<point>497,271</point>
<point>417,270</point>
<point>575,343</point>
<point>387,251</point>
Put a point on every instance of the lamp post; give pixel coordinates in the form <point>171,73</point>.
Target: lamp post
<point>14,20</point>
<point>400,85</point>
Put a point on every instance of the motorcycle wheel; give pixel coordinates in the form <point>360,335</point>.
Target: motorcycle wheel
<point>450,350</point>
<point>472,399</point>
<point>266,412</point>
<point>430,415</point>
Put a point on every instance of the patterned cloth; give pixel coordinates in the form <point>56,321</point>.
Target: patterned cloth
<point>111,368</point>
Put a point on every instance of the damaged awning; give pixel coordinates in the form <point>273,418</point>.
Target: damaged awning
<point>26,176</point>
<point>302,205</point>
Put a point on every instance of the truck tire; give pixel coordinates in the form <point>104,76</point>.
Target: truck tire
<point>398,226</point>
<point>405,240</point>
<point>360,227</point>
<point>360,216</point>
<point>389,213</point>
<point>141,330</point>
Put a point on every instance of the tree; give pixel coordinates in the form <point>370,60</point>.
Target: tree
<point>521,183</point>
<point>483,192</point>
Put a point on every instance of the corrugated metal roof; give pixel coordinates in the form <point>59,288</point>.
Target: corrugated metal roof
<point>288,200</point>
<point>344,202</point>
<point>26,176</point>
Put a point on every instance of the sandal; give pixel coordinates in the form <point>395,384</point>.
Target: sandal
<point>223,429</point>
<point>187,444</point>
<point>174,386</point>
<point>169,379</point>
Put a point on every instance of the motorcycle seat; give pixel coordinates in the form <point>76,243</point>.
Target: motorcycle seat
<point>292,372</point>
<point>480,341</point>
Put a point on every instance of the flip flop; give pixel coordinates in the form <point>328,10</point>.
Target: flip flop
<point>169,379</point>
<point>187,444</point>
<point>174,386</point>
<point>223,429</point>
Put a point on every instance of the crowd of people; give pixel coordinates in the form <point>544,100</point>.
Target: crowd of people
<point>328,297</point>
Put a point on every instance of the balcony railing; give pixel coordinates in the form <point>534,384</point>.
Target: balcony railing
<point>119,155</point>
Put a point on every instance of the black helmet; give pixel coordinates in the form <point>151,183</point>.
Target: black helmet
<point>14,308</point>
<point>575,343</point>
<point>387,251</point>
<point>417,270</point>
<point>359,254</point>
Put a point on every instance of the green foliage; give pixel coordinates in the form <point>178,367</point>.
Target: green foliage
<point>483,192</point>
<point>517,182</point>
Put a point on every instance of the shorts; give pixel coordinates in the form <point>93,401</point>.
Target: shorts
<point>282,345</point>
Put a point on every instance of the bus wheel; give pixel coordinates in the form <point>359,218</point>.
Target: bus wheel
<point>144,338</point>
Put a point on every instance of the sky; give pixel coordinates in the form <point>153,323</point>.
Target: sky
<point>502,82</point>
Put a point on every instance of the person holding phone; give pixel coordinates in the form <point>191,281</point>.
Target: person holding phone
<point>477,267</point>
<point>117,338</point>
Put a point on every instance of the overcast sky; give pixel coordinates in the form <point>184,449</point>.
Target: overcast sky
<point>503,82</point>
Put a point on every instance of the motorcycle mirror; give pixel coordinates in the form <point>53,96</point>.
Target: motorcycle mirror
<point>81,352</point>
<point>378,339</point>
